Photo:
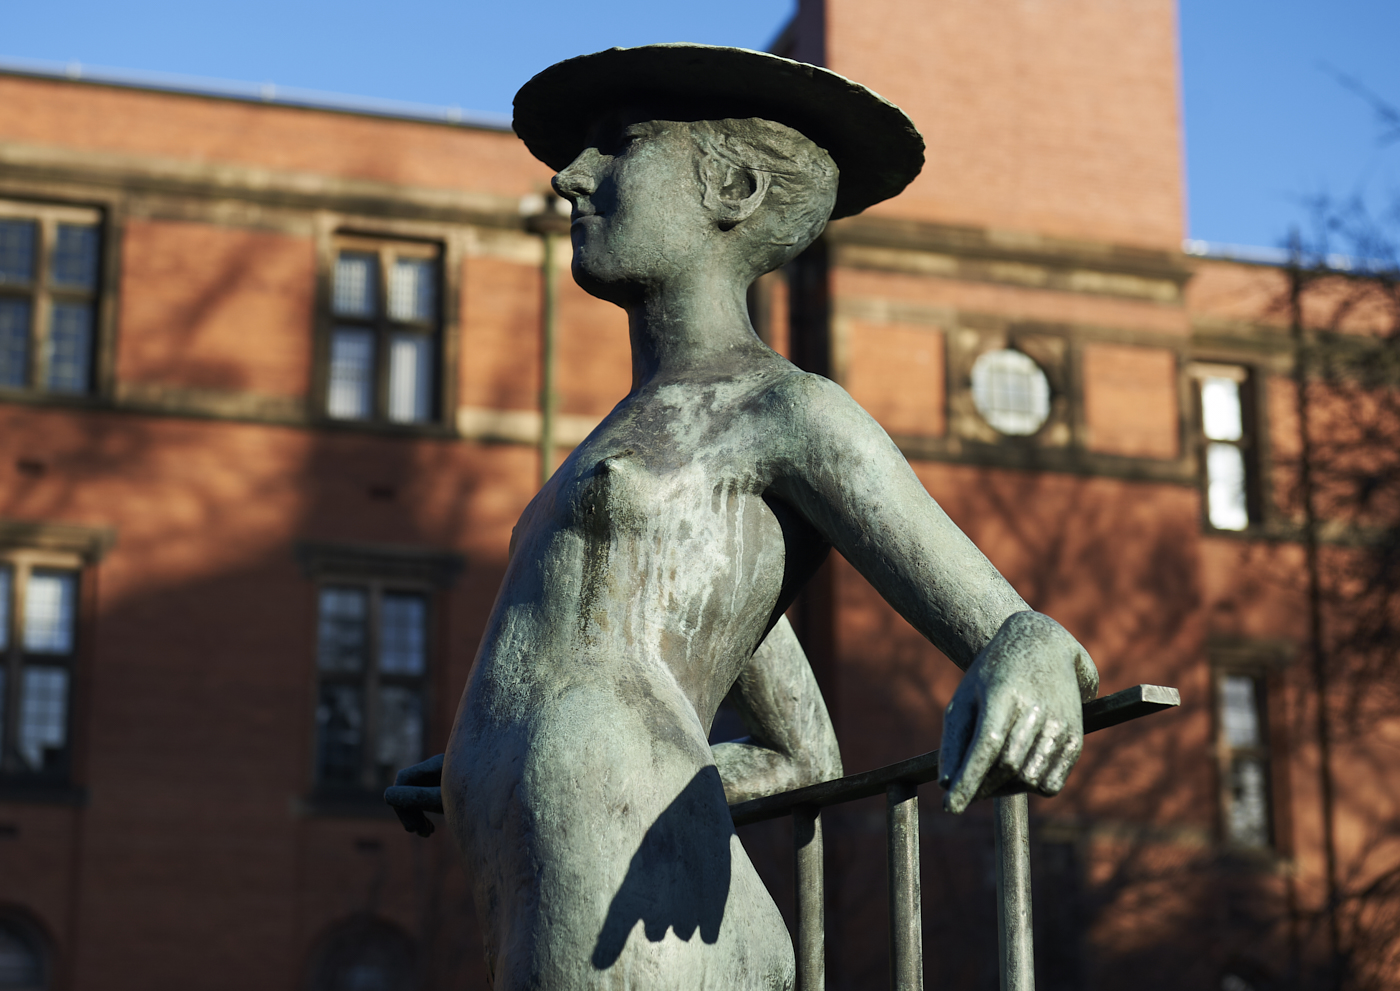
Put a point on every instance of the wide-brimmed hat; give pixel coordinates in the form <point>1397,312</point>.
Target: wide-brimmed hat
<point>873,142</point>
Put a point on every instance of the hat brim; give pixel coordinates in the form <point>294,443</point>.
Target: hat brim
<point>873,142</point>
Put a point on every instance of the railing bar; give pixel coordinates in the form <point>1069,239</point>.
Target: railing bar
<point>906,917</point>
<point>1015,934</point>
<point>1131,703</point>
<point>811,898</point>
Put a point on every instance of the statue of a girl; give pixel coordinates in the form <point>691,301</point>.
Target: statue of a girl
<point>650,575</point>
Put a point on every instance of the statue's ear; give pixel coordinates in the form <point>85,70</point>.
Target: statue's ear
<point>734,192</point>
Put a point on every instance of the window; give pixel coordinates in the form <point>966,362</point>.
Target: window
<point>38,641</point>
<point>373,663</point>
<point>384,349</point>
<point>22,958</point>
<point>1226,445</point>
<point>1011,392</point>
<point>49,267</point>
<point>371,659</point>
<point>1244,760</point>
<point>364,954</point>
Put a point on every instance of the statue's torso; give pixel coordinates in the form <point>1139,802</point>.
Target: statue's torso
<point>642,578</point>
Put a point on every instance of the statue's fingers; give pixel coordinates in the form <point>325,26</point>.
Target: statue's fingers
<point>426,773</point>
<point>1062,764</point>
<point>959,722</point>
<point>1042,756</point>
<point>988,739</point>
<point>1024,732</point>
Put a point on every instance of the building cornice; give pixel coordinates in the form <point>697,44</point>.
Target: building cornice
<point>1013,257</point>
<point>166,179</point>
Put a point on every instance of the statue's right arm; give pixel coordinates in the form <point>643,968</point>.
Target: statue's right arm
<point>791,741</point>
<point>1016,716</point>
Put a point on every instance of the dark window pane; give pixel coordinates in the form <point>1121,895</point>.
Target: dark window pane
<point>43,717</point>
<point>21,965</point>
<point>75,257</point>
<point>410,378</point>
<point>403,634</point>
<point>7,578</point>
<point>49,601</point>
<point>352,374</point>
<point>412,289</point>
<point>356,278</point>
<point>70,347</point>
<point>16,250</point>
<point>14,342</point>
<point>400,731</point>
<point>340,735</point>
<point>344,630</point>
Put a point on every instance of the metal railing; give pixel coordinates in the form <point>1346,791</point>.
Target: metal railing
<point>900,784</point>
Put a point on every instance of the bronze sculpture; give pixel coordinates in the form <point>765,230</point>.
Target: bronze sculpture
<point>650,575</point>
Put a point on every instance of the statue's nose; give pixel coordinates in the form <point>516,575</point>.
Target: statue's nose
<point>580,178</point>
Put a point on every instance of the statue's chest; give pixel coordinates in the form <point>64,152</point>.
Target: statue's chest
<point>626,495</point>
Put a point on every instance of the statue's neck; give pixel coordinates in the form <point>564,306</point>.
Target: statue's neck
<point>685,325</point>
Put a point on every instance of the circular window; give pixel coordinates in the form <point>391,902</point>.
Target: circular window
<point>1011,392</point>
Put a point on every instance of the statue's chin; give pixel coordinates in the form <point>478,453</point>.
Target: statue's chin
<point>604,283</point>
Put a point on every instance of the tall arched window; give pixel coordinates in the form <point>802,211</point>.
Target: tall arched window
<point>364,954</point>
<point>23,966</point>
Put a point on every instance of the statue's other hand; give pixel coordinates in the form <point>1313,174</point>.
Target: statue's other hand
<point>1016,721</point>
<point>416,790</point>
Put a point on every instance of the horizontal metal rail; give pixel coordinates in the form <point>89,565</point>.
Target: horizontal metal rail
<point>1131,703</point>
<point>900,784</point>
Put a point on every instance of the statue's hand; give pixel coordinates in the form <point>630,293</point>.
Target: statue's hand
<point>416,790</point>
<point>1015,722</point>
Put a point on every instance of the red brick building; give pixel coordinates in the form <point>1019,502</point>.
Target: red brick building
<point>269,381</point>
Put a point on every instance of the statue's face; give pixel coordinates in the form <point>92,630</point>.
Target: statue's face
<point>638,216</point>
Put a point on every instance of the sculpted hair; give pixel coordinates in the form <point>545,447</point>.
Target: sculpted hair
<point>803,182</point>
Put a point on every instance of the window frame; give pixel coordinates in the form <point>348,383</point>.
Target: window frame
<point>426,571</point>
<point>371,678</point>
<point>387,246</point>
<point>1250,445</point>
<point>1053,353</point>
<point>1226,754</point>
<point>14,659</point>
<point>47,216</point>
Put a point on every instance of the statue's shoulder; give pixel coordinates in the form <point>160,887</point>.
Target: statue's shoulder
<point>805,397</point>
<point>801,390</point>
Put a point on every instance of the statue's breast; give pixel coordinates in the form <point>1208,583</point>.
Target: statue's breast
<point>613,495</point>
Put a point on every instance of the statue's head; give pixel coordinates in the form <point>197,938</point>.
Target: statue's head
<point>657,197</point>
<point>678,156</point>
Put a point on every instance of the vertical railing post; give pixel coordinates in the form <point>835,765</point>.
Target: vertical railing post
<point>1015,935</point>
<point>906,920</point>
<point>811,898</point>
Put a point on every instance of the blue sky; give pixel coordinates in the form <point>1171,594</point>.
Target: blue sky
<point>1267,126</point>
